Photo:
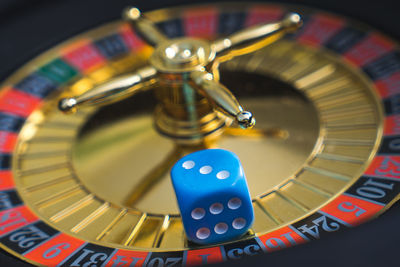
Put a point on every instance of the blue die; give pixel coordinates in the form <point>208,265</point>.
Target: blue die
<point>212,195</point>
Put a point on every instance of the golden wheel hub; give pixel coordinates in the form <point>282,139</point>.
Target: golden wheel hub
<point>182,55</point>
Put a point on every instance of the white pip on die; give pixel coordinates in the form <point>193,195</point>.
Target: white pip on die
<point>213,196</point>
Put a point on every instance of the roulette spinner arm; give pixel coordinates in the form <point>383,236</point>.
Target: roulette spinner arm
<point>183,66</point>
<point>245,105</point>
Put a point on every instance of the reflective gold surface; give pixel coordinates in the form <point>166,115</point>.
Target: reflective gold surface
<point>106,181</point>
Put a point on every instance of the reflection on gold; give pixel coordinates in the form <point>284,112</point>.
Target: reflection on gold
<point>257,133</point>
<point>148,181</point>
<point>110,183</point>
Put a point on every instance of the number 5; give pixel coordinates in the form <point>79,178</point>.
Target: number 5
<point>350,207</point>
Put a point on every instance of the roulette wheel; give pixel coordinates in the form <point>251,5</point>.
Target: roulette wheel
<point>322,158</point>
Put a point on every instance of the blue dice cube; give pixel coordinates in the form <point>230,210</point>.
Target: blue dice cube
<point>213,196</point>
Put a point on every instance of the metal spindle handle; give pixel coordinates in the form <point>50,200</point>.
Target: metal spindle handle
<point>254,38</point>
<point>144,27</point>
<point>223,99</point>
<point>112,91</point>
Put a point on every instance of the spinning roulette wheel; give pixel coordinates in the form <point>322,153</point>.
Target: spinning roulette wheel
<point>92,187</point>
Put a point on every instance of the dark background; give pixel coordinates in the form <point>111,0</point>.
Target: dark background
<point>29,27</point>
